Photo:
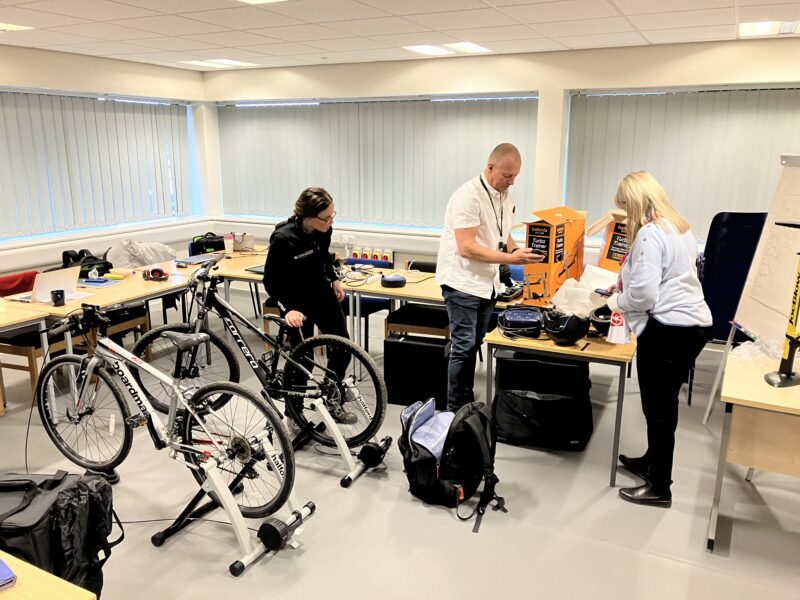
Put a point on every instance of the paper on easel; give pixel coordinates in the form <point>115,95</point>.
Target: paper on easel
<point>618,331</point>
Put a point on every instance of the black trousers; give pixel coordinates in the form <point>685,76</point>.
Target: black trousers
<point>326,314</point>
<point>664,355</point>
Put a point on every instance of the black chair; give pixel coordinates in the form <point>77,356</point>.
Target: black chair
<point>368,305</point>
<point>722,268</point>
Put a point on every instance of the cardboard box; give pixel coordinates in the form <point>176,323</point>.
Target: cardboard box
<point>557,233</point>
<point>615,240</point>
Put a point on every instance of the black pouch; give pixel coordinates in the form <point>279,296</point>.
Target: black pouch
<point>208,242</point>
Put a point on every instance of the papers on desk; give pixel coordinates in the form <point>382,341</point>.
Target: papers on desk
<point>7,576</point>
<point>97,283</point>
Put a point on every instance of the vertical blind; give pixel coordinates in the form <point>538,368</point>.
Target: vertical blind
<point>387,162</point>
<point>713,151</point>
<point>76,163</point>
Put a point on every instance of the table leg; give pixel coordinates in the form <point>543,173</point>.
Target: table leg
<point>617,424</point>
<point>749,477</point>
<point>723,450</point>
<point>718,376</point>
<point>227,290</point>
<point>351,317</point>
<point>489,377</point>
<point>358,319</point>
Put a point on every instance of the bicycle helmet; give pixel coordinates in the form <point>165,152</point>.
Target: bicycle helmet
<point>601,319</point>
<point>564,329</point>
<point>520,322</point>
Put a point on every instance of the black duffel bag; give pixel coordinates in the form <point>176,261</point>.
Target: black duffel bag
<point>552,421</point>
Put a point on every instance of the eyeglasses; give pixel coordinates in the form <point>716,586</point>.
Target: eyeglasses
<point>329,219</point>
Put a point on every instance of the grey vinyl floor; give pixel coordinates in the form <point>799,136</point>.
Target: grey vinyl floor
<point>567,533</point>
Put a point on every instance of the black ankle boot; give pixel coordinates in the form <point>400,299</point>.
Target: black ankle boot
<point>639,466</point>
<point>647,494</point>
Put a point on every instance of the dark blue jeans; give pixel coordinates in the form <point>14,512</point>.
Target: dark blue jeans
<point>469,317</point>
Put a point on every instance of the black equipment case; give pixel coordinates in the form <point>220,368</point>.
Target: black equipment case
<point>415,369</point>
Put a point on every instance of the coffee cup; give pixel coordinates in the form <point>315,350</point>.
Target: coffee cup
<point>57,296</point>
<point>228,239</point>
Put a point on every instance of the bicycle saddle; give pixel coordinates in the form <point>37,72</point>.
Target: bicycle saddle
<point>184,341</point>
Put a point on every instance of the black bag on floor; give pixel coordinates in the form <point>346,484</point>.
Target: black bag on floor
<point>447,455</point>
<point>60,523</point>
<point>551,421</point>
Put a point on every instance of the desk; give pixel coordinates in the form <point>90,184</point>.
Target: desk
<point>761,428</point>
<point>235,269</point>
<point>35,584</point>
<point>598,351</point>
<point>16,315</point>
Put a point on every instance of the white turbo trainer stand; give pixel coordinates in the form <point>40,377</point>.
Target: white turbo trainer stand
<point>371,453</point>
<point>273,534</point>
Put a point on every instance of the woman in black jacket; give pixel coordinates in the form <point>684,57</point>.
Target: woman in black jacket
<point>299,275</point>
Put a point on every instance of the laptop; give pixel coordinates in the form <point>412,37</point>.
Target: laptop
<point>196,259</point>
<point>257,269</point>
<point>62,279</point>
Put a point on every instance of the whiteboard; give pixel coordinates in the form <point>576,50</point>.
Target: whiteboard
<point>767,297</point>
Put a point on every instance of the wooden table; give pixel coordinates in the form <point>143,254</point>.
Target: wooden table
<point>16,315</point>
<point>761,428</point>
<point>35,584</point>
<point>234,268</point>
<point>590,350</point>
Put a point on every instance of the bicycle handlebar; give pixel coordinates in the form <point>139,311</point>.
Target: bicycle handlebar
<point>90,316</point>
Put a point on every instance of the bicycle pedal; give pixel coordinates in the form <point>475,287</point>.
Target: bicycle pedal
<point>135,422</point>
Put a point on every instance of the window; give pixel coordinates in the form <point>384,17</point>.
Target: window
<point>712,151</point>
<point>74,163</point>
<point>384,162</point>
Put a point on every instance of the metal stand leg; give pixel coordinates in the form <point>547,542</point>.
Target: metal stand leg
<point>489,376</point>
<point>718,377</point>
<point>617,425</point>
<point>749,477</point>
<point>723,450</point>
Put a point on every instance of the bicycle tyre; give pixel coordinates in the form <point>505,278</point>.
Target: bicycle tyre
<point>239,448</point>
<point>372,389</point>
<point>111,432</point>
<point>162,356</point>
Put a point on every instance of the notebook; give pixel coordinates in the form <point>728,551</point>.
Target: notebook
<point>257,269</point>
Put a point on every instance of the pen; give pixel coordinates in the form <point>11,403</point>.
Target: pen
<point>585,346</point>
<point>747,332</point>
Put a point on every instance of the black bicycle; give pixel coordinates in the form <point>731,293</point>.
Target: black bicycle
<point>326,368</point>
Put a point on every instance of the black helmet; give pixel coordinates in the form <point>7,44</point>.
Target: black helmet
<point>565,329</point>
<point>520,321</point>
<point>601,319</point>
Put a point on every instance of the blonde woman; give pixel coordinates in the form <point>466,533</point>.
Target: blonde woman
<point>663,303</point>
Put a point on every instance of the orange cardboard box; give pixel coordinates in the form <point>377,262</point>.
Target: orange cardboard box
<point>615,240</point>
<point>558,234</point>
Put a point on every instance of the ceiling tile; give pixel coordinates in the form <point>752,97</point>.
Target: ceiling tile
<point>234,53</point>
<point>346,44</point>
<point>181,6</point>
<point>513,46</point>
<point>690,18</point>
<point>231,38</point>
<point>585,27</point>
<point>414,7</point>
<point>761,2</point>
<point>300,33</point>
<point>603,41</point>
<point>170,25</point>
<point>567,10</point>
<point>279,61</point>
<point>690,34</point>
<point>165,56</point>
<point>641,7</point>
<point>321,11</point>
<point>770,12</point>
<point>486,17</point>
<point>284,49</point>
<point>173,43</point>
<point>486,34</point>
<point>387,54</point>
<point>383,26</point>
<point>416,39</point>
<point>95,10</point>
<point>107,47</point>
<point>326,58</point>
<point>51,38</point>
<point>517,2</point>
<point>246,17</point>
<point>35,18</point>
<point>104,31</point>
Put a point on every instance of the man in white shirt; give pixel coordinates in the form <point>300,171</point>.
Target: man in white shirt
<point>476,238</point>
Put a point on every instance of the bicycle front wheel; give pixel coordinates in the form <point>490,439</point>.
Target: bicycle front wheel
<point>247,437</point>
<point>207,363</point>
<point>345,379</point>
<point>91,430</point>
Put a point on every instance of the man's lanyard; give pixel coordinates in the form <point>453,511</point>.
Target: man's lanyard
<point>498,220</point>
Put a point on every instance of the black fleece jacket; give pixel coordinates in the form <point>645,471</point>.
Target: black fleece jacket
<point>299,266</point>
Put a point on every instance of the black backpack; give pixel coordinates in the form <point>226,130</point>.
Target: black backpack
<point>208,242</point>
<point>447,455</point>
<point>86,261</point>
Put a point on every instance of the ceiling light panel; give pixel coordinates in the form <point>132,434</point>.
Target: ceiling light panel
<point>429,50</point>
<point>467,48</point>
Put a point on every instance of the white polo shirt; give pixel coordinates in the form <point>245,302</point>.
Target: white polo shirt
<point>470,206</point>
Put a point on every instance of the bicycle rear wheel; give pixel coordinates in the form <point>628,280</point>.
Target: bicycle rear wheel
<point>208,363</point>
<point>258,463</point>
<point>93,431</point>
<point>345,379</point>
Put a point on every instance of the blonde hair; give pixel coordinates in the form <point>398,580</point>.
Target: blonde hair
<point>645,201</point>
